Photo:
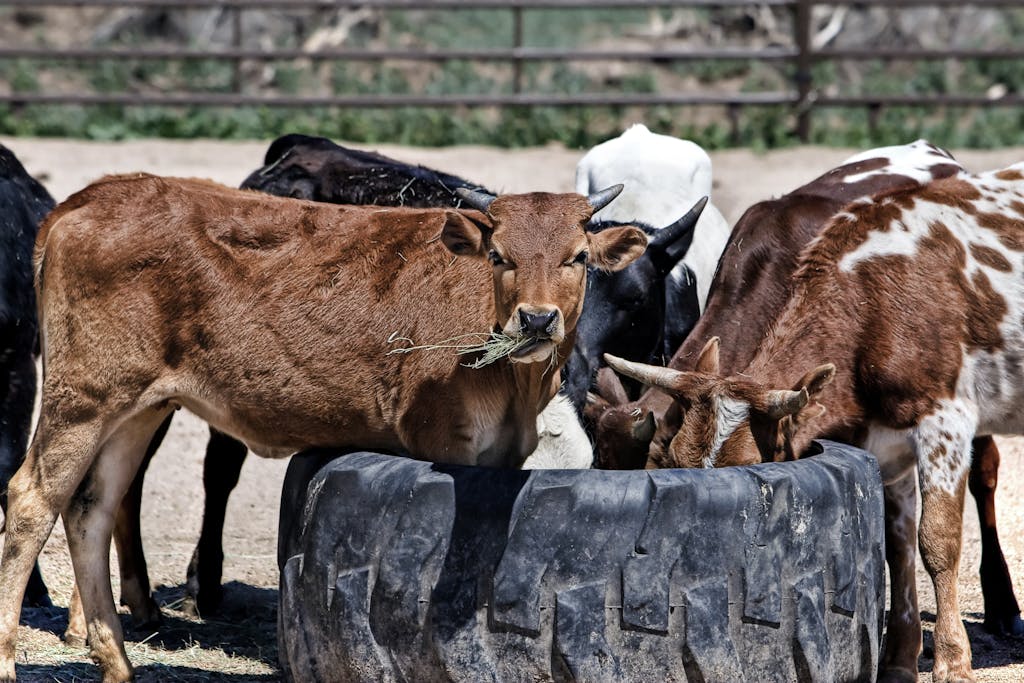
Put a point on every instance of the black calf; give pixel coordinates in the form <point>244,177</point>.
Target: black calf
<point>23,205</point>
<point>624,312</point>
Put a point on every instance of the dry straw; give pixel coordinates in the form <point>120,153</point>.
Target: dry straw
<point>498,345</point>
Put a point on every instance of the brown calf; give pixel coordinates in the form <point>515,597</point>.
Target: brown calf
<point>916,302</point>
<point>271,319</point>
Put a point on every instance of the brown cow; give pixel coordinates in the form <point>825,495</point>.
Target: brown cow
<point>916,302</point>
<point>271,319</point>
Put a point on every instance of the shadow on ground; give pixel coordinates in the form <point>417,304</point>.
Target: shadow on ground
<point>244,631</point>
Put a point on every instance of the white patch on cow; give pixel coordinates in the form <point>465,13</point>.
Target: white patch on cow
<point>894,239</point>
<point>943,443</point>
<point>663,178</point>
<point>730,413</point>
<point>914,161</point>
<point>893,449</point>
<point>562,443</point>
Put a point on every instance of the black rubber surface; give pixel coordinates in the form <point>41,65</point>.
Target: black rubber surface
<point>400,570</point>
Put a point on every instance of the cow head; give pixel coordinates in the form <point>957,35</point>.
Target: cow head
<point>539,251</point>
<point>720,421</point>
<point>625,310</point>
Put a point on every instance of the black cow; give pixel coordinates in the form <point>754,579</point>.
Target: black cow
<point>626,310</point>
<point>23,205</point>
<point>317,169</point>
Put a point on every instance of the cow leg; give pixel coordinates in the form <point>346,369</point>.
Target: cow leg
<point>135,589</point>
<point>943,451</point>
<point>903,628</point>
<point>16,408</point>
<point>56,462</point>
<point>89,522</point>
<point>1002,613</point>
<point>221,469</point>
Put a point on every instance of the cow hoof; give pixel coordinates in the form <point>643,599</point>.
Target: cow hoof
<point>1009,625</point>
<point>897,675</point>
<point>147,615</point>
<point>6,670</point>
<point>72,639</point>
<point>119,676</point>
<point>190,606</point>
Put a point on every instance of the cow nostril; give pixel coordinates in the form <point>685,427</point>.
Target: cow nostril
<point>549,321</point>
<point>534,324</point>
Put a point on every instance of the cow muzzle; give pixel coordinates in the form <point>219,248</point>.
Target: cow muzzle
<point>541,327</point>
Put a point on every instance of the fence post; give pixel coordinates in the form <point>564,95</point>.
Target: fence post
<point>236,43</point>
<point>803,75</point>
<point>517,42</point>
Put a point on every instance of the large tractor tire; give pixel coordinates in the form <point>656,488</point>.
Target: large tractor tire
<point>401,570</point>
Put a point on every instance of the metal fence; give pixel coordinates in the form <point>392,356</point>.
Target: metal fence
<point>802,95</point>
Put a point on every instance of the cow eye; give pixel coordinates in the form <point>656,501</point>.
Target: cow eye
<point>580,258</point>
<point>495,258</point>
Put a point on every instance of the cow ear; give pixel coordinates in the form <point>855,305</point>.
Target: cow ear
<point>615,248</point>
<point>813,383</point>
<point>816,380</point>
<point>707,361</point>
<point>465,236</point>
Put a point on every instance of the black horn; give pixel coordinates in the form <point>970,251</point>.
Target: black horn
<point>599,200</point>
<point>671,243</point>
<point>481,201</point>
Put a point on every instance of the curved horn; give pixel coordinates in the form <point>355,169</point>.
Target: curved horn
<point>650,375</point>
<point>481,201</point>
<point>599,200</point>
<point>610,387</point>
<point>783,402</point>
<point>672,242</point>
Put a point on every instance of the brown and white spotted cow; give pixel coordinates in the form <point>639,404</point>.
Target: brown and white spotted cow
<point>270,319</point>
<point>751,287</point>
<point>914,303</point>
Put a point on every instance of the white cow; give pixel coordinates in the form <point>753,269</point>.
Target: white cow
<point>663,177</point>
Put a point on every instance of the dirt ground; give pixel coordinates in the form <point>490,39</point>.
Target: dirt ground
<point>240,644</point>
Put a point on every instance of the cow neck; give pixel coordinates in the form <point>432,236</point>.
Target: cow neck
<point>814,329</point>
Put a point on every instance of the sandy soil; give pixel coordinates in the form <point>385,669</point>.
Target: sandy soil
<point>240,645</point>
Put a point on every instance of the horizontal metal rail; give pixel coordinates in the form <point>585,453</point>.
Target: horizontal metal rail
<point>496,4</point>
<point>484,100</point>
<point>401,4</point>
<point>498,54</point>
<point>526,54</point>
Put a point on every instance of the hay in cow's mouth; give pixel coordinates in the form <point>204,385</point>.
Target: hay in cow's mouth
<point>497,345</point>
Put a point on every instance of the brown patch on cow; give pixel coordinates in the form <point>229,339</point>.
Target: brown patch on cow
<point>944,170</point>
<point>941,239</point>
<point>986,308</point>
<point>956,192</point>
<point>1009,174</point>
<point>1018,207</point>
<point>987,256</point>
<point>983,307</point>
<point>1008,229</point>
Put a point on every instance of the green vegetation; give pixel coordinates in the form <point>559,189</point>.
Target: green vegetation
<point>713,127</point>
